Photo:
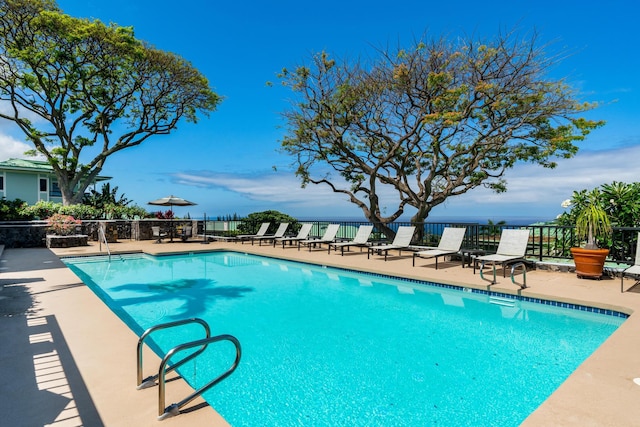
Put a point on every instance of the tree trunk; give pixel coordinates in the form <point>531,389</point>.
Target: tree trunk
<point>65,190</point>
<point>418,221</point>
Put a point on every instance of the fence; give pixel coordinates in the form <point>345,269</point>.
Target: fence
<point>29,234</point>
<point>546,241</point>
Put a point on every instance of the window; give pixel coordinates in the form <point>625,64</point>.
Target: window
<point>55,190</point>
<point>1,183</point>
<point>43,185</point>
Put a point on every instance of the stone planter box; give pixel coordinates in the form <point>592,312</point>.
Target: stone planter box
<point>54,241</point>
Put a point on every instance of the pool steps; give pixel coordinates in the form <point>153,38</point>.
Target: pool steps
<point>506,302</point>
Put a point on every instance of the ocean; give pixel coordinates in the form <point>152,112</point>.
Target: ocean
<point>509,220</point>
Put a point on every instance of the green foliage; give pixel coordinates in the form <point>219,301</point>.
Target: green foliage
<point>125,212</point>
<point>252,222</point>
<point>429,122</point>
<point>591,220</point>
<point>492,229</point>
<point>106,196</point>
<point>109,205</point>
<point>80,211</point>
<point>228,217</point>
<point>42,210</point>
<point>13,210</point>
<point>89,85</point>
<point>618,202</point>
<point>621,202</point>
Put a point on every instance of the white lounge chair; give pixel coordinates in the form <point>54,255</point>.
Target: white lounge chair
<point>282,228</point>
<point>450,243</point>
<point>512,248</point>
<point>361,240</point>
<point>215,237</point>
<point>634,270</point>
<point>302,235</point>
<point>261,232</point>
<point>328,237</point>
<point>400,242</point>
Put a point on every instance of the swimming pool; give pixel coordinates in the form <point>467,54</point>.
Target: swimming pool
<point>324,346</point>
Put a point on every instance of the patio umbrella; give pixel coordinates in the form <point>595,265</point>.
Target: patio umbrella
<point>171,201</point>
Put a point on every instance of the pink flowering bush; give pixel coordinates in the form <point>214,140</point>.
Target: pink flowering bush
<point>164,215</point>
<point>63,225</point>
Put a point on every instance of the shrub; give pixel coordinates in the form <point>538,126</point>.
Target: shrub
<point>252,222</point>
<point>80,211</point>
<point>113,211</point>
<point>42,209</point>
<point>164,215</point>
<point>63,225</point>
<point>620,200</point>
<point>13,210</point>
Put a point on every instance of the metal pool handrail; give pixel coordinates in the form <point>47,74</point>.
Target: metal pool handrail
<point>103,238</point>
<point>150,381</point>
<point>174,409</point>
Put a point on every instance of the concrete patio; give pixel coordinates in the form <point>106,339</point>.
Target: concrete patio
<point>66,360</point>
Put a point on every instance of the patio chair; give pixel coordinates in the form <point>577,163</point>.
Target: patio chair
<point>361,240</point>
<point>512,248</point>
<point>328,237</point>
<point>157,234</point>
<point>302,235</point>
<point>634,270</point>
<point>282,228</point>
<point>187,232</point>
<point>261,232</point>
<point>400,242</point>
<point>450,243</point>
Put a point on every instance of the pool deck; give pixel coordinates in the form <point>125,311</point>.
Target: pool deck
<point>66,360</point>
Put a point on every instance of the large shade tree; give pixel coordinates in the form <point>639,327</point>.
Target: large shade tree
<point>77,85</point>
<point>430,122</point>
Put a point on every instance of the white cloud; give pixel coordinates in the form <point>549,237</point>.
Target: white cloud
<point>532,190</point>
<point>530,183</point>
<point>12,148</point>
<point>536,191</point>
<point>276,187</point>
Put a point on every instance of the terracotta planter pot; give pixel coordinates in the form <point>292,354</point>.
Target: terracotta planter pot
<point>589,262</point>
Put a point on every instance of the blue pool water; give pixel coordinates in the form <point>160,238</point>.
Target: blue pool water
<point>325,346</point>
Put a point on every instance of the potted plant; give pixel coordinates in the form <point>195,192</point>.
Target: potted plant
<point>593,225</point>
<point>63,225</point>
<point>64,232</point>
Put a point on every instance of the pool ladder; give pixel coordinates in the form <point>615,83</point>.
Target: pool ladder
<point>102,237</point>
<point>520,264</point>
<point>174,409</point>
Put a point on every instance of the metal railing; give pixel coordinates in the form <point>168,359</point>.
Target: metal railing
<point>546,242</point>
<point>174,409</point>
<point>150,381</point>
<point>103,239</point>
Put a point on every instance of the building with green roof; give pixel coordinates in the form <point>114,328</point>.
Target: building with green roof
<point>31,181</point>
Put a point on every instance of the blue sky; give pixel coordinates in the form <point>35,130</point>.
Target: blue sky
<point>225,162</point>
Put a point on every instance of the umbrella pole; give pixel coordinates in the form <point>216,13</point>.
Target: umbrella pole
<point>204,231</point>
<point>171,223</point>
